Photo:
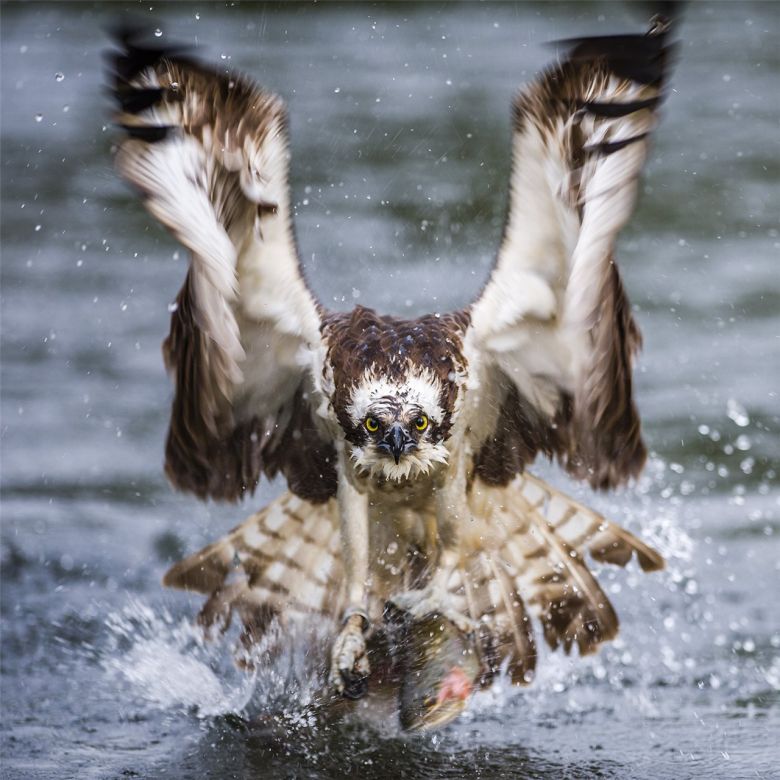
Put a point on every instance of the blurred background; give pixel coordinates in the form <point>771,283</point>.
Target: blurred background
<point>400,128</point>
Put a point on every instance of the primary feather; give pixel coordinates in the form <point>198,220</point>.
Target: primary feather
<point>524,556</point>
<point>209,153</point>
<point>553,326</point>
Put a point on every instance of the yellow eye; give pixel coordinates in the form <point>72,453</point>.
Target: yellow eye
<point>421,423</point>
<point>371,425</point>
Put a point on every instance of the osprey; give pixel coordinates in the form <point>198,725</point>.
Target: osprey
<point>405,443</point>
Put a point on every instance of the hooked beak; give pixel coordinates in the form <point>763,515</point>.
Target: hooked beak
<point>397,441</point>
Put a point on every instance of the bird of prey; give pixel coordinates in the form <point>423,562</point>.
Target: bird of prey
<point>405,443</point>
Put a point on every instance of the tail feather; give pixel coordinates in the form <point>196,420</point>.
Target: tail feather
<point>573,607</point>
<point>541,536</point>
<point>285,557</point>
<point>523,555</point>
<point>205,571</point>
<point>484,589</point>
<point>582,527</point>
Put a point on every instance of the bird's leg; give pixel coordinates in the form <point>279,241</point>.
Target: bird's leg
<point>443,540</point>
<point>349,667</point>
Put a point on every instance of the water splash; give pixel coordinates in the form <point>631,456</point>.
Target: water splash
<point>168,663</point>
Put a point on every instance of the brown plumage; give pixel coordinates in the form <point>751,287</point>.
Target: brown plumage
<point>361,339</point>
<point>404,443</point>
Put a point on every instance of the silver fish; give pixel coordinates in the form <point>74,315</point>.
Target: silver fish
<point>440,669</point>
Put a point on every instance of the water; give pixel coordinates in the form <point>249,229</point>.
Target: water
<point>400,132</point>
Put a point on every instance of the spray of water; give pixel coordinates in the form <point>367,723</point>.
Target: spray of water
<point>168,663</point>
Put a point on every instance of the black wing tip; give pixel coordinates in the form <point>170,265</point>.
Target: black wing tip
<point>615,110</point>
<point>134,101</point>
<point>135,49</point>
<point>642,57</point>
<point>610,147</point>
<point>151,134</point>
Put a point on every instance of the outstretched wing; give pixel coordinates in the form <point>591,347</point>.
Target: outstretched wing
<point>209,153</point>
<point>553,331</point>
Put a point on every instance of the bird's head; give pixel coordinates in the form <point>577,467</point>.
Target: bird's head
<point>396,427</point>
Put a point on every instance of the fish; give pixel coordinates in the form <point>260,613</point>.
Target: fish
<point>439,668</point>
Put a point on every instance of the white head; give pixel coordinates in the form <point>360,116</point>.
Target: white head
<point>397,425</point>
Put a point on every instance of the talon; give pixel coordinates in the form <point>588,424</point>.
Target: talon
<point>393,614</point>
<point>349,668</point>
<point>355,686</point>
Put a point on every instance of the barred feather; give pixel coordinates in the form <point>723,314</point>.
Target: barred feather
<point>523,557</point>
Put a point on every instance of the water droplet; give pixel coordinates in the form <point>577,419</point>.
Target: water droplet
<point>197,16</point>
<point>172,307</point>
<point>39,117</point>
<point>58,76</point>
<point>158,33</point>
<point>37,228</point>
<point>737,413</point>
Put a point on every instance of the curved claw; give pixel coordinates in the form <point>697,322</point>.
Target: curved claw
<point>349,667</point>
<point>355,686</point>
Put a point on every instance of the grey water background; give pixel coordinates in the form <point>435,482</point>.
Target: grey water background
<point>400,141</point>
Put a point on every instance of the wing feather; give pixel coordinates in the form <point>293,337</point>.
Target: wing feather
<point>524,556</point>
<point>209,154</point>
<point>553,329</point>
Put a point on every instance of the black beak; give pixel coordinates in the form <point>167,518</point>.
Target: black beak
<point>397,441</point>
